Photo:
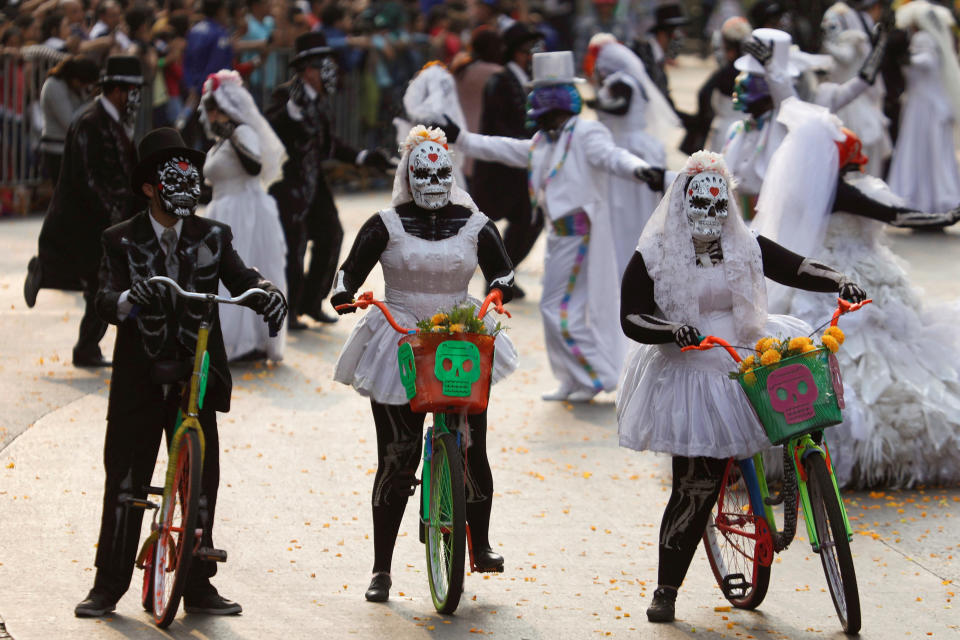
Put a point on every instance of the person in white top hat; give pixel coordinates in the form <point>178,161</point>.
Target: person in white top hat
<point>569,161</point>
<point>765,82</point>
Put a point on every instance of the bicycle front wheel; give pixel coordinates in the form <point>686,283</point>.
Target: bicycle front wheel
<point>738,543</point>
<point>446,524</point>
<point>177,536</point>
<point>834,545</point>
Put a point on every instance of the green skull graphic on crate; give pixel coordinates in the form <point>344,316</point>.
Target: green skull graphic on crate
<point>408,369</point>
<point>457,367</point>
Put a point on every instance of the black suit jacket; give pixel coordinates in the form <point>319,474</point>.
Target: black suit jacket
<point>93,193</point>
<point>303,186</point>
<point>498,190</point>
<point>164,330</point>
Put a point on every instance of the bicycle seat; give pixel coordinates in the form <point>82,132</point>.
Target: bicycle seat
<point>170,371</point>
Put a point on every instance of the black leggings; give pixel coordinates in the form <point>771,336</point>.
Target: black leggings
<point>399,443</point>
<point>696,484</point>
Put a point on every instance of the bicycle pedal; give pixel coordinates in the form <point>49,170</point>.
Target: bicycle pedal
<point>211,554</point>
<point>735,586</point>
<point>155,491</point>
<point>139,503</point>
<point>475,569</point>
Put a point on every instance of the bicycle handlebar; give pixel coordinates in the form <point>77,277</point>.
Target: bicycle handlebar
<point>709,342</point>
<point>365,299</point>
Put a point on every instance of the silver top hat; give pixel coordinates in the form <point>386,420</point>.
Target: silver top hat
<point>780,41</point>
<point>553,67</point>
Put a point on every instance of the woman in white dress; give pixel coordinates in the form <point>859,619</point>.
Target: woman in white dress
<point>639,118</point>
<point>900,359</point>
<point>699,271</point>
<point>429,245</point>
<point>923,170</point>
<point>245,159</point>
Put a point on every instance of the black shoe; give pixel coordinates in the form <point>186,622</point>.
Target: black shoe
<point>211,603</point>
<point>488,561</point>
<point>31,286</point>
<point>319,315</point>
<point>379,589</point>
<point>296,324</point>
<point>97,603</point>
<point>663,605</point>
<point>90,360</point>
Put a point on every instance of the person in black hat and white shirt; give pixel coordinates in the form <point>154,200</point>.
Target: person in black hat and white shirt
<point>165,239</point>
<point>501,191</point>
<point>93,192</point>
<point>663,43</point>
<point>299,115</point>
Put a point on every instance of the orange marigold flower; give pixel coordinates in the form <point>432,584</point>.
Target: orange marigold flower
<point>831,343</point>
<point>798,343</point>
<point>438,318</point>
<point>457,328</point>
<point>748,363</point>
<point>769,357</point>
<point>836,333</point>
<point>767,343</point>
<point>808,348</point>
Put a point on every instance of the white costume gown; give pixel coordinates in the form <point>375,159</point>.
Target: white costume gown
<point>421,277</point>
<point>923,170</point>
<point>631,201</point>
<point>240,201</point>
<point>579,305</point>
<point>683,403</point>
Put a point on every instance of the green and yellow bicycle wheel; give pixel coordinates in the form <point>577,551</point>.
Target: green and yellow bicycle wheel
<point>446,524</point>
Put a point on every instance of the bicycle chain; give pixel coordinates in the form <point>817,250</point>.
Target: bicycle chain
<point>788,494</point>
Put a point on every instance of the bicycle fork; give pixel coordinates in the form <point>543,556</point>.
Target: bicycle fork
<point>803,447</point>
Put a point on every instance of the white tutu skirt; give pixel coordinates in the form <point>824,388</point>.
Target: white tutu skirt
<point>900,360</point>
<point>258,240</point>
<point>684,404</point>
<point>368,361</point>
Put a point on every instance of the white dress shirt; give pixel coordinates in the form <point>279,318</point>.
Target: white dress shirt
<point>124,306</point>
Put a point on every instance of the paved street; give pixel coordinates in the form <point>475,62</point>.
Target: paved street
<point>575,516</point>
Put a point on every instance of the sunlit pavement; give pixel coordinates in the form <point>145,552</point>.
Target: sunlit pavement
<point>575,516</point>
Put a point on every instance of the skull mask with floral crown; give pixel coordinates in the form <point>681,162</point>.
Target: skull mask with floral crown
<point>178,186</point>
<point>430,172</point>
<point>706,205</point>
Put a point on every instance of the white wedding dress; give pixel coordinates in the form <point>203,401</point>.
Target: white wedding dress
<point>240,201</point>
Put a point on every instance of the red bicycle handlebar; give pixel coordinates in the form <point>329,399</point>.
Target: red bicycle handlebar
<point>366,299</point>
<point>710,342</point>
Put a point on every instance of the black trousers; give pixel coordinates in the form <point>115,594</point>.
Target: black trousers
<point>399,445</point>
<point>326,237</point>
<point>522,233</point>
<point>696,485</point>
<point>129,454</point>
<point>295,232</point>
<point>92,327</point>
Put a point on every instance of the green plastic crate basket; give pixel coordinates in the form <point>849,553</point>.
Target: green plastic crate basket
<point>797,395</point>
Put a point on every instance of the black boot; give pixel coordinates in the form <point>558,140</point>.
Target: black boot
<point>663,605</point>
<point>379,589</point>
<point>98,602</point>
<point>487,560</point>
<point>484,557</point>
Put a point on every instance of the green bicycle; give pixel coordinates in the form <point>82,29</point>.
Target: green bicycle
<point>795,400</point>
<point>447,375</point>
<point>181,517</point>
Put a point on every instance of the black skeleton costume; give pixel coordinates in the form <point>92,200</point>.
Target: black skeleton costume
<point>699,271</point>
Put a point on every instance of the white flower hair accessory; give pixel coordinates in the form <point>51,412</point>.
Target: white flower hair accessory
<point>420,134</point>
<point>707,161</point>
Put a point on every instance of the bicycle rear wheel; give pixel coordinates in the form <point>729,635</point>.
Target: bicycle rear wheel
<point>834,545</point>
<point>446,524</point>
<point>177,536</point>
<point>738,542</point>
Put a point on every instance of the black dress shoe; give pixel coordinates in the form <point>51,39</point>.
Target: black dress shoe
<point>296,324</point>
<point>379,589</point>
<point>97,603</point>
<point>319,315</point>
<point>488,561</point>
<point>94,360</point>
<point>663,605</point>
<point>210,603</point>
<point>31,286</point>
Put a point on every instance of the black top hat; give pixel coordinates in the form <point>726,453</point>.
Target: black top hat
<point>122,69</point>
<point>157,146</point>
<point>668,16</point>
<point>765,11</point>
<point>518,34</point>
<point>309,45</point>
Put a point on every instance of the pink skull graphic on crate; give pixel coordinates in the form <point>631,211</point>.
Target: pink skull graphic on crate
<point>793,391</point>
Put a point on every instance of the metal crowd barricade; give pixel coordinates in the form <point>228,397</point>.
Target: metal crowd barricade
<point>20,119</point>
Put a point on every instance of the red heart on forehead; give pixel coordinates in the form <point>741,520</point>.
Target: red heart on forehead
<point>690,192</point>
<point>714,191</point>
<point>184,165</point>
<point>433,157</point>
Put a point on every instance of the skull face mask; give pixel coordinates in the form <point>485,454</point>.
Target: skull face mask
<point>178,186</point>
<point>706,205</point>
<point>430,172</point>
<point>132,110</point>
<point>329,72</point>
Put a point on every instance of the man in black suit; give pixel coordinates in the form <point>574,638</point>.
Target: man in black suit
<point>166,239</point>
<point>299,115</point>
<point>664,39</point>
<point>93,192</point>
<point>498,190</point>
